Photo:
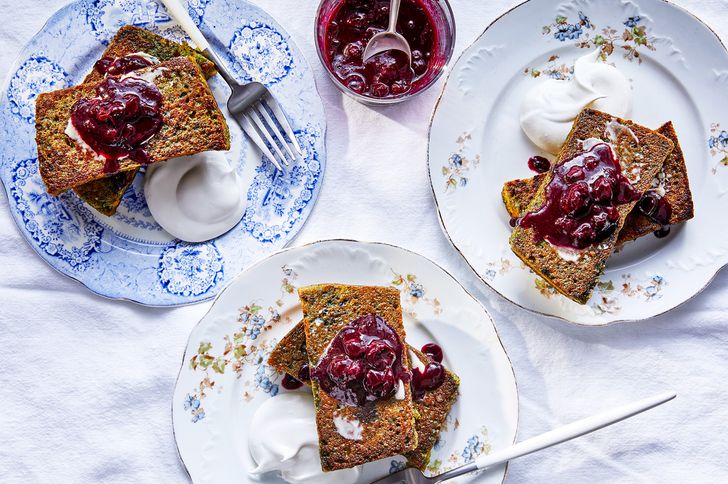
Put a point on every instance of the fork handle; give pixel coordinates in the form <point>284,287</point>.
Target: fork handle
<point>182,17</point>
<point>559,435</point>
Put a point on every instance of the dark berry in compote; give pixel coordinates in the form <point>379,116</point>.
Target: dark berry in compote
<point>290,383</point>
<point>428,379</point>
<point>662,232</point>
<point>380,355</point>
<point>380,383</point>
<point>582,200</point>
<point>363,363</point>
<point>658,209</point>
<point>433,351</point>
<point>122,117</point>
<point>387,74</point>
<point>118,66</point>
<point>539,164</point>
<point>304,374</point>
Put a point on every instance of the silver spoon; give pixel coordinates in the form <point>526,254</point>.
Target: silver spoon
<point>388,39</point>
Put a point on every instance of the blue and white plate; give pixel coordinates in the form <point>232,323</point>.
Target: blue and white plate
<point>129,255</point>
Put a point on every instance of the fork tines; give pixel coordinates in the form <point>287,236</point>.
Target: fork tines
<point>262,122</point>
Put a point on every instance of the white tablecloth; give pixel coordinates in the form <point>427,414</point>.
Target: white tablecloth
<point>86,382</point>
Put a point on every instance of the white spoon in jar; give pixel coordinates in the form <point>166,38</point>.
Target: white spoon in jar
<point>388,39</point>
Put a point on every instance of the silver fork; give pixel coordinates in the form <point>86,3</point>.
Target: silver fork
<point>552,437</point>
<point>252,105</point>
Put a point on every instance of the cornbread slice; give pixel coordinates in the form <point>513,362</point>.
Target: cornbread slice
<point>388,425</point>
<point>192,122</point>
<point>105,194</point>
<point>290,355</point>
<point>672,177</point>
<point>131,39</point>
<point>431,412</point>
<point>641,153</point>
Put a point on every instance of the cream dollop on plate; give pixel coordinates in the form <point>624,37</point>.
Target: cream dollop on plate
<point>195,198</point>
<point>283,439</point>
<point>548,110</point>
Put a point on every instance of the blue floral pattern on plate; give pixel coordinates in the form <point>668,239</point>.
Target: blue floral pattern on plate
<point>129,255</point>
<point>37,74</point>
<point>260,53</point>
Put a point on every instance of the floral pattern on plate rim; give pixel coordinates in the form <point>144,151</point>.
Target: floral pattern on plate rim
<point>718,145</point>
<point>476,445</point>
<point>459,164</point>
<point>239,350</point>
<point>633,37</point>
<point>606,295</point>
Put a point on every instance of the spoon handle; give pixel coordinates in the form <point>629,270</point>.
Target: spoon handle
<point>393,14</point>
<point>561,434</point>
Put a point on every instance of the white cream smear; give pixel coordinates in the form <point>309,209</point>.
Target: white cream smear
<point>347,427</point>
<point>548,110</point>
<point>283,439</point>
<point>195,198</point>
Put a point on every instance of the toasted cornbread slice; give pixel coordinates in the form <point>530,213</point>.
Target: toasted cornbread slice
<point>192,122</point>
<point>290,355</point>
<point>105,194</point>
<point>130,39</point>
<point>431,412</point>
<point>517,194</point>
<point>673,177</point>
<point>641,153</point>
<point>388,426</point>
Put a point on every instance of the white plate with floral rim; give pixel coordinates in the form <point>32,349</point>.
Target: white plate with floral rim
<point>678,69</point>
<point>224,375</point>
<point>128,255</point>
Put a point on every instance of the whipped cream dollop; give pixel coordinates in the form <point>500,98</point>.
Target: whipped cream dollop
<point>195,198</point>
<point>283,439</point>
<point>548,110</point>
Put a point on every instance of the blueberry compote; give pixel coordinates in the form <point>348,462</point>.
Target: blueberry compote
<point>581,200</point>
<point>658,209</point>
<point>432,376</point>
<point>386,74</point>
<point>363,363</point>
<point>116,123</point>
<point>117,66</point>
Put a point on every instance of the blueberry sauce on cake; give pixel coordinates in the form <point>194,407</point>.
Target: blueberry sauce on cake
<point>109,66</point>
<point>116,123</point>
<point>386,74</point>
<point>539,164</point>
<point>363,363</point>
<point>581,200</point>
